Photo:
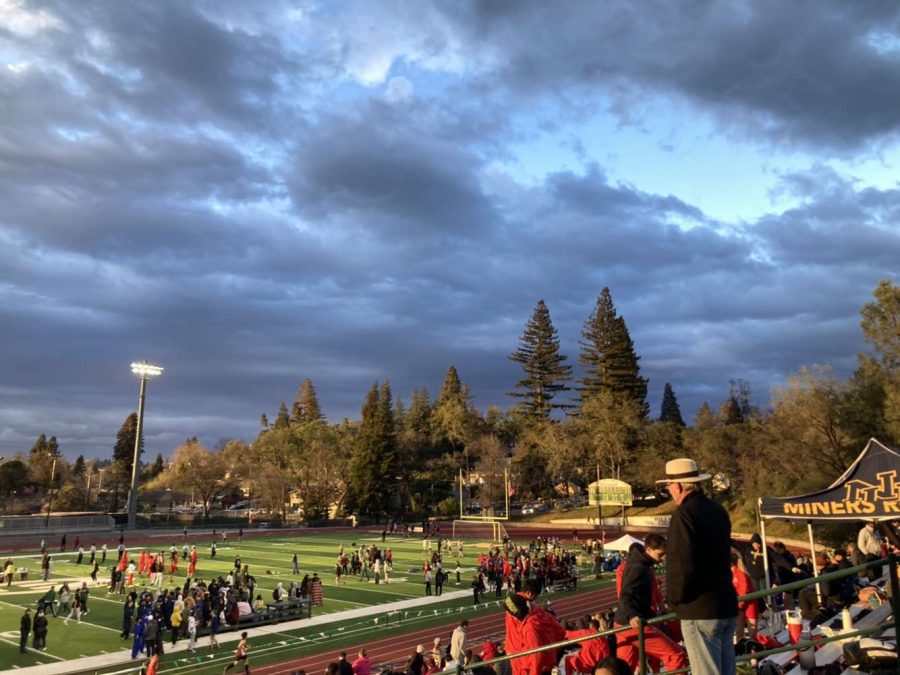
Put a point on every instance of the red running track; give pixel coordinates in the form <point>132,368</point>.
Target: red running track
<point>399,648</point>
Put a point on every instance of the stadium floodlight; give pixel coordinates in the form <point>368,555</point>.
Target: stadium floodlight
<point>145,371</point>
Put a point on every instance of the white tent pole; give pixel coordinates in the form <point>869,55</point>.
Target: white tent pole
<point>812,552</point>
<point>765,550</point>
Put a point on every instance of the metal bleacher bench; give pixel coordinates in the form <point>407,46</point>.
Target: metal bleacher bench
<point>273,613</point>
<point>300,608</point>
<point>564,584</point>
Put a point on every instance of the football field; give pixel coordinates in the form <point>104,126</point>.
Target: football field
<point>269,560</point>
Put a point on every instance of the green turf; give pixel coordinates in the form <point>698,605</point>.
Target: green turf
<point>98,632</point>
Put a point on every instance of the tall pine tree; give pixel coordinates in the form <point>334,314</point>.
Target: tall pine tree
<point>372,480</point>
<point>123,456</point>
<point>283,420</point>
<point>310,411</point>
<point>545,369</point>
<point>451,420</point>
<point>123,450</point>
<point>670,411</point>
<point>608,358</point>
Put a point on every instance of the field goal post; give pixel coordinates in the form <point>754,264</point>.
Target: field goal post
<point>483,528</point>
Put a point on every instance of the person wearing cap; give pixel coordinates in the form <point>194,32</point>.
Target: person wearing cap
<point>698,575</point>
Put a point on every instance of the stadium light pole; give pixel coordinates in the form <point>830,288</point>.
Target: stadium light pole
<point>50,490</point>
<point>145,371</point>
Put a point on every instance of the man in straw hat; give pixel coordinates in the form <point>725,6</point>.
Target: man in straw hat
<point>698,576</point>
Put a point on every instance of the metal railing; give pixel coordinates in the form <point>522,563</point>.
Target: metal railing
<point>891,561</point>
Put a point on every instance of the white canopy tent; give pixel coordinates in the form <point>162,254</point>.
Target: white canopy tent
<point>623,543</point>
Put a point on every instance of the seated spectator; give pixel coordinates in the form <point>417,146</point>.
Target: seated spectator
<point>362,665</point>
<point>612,666</point>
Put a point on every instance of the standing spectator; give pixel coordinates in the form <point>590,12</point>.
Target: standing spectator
<point>869,543</point>
<point>151,634</point>
<point>477,588</point>
<point>698,578</point>
<point>439,581</point>
<point>40,630</point>
<point>295,562</point>
<point>24,630</point>
<point>362,665</point>
<point>218,616</point>
<point>315,590</point>
<point>458,641</point>
<point>784,563</point>
<point>636,606</point>
<point>45,566</point>
<point>139,643</point>
<point>344,667</point>
<point>748,610</point>
<point>127,618</point>
<point>428,581</point>
<point>65,597</point>
<point>62,544</point>
<point>192,632</point>
<point>175,622</point>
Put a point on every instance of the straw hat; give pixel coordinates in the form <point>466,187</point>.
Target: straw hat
<point>683,470</point>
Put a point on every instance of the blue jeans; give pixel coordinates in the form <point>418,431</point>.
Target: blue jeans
<point>710,645</point>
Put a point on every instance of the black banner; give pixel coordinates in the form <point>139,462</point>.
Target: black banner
<point>868,490</point>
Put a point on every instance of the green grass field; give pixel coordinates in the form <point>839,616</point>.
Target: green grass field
<point>99,631</point>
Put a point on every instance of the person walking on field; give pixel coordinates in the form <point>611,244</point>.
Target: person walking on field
<point>698,575</point>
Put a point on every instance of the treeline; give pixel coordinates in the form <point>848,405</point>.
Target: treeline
<point>404,458</point>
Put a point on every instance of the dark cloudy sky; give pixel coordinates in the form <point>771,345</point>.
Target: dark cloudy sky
<point>250,193</point>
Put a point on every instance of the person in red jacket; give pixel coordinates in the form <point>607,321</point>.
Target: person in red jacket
<point>592,651</point>
<point>529,627</point>
<point>748,610</point>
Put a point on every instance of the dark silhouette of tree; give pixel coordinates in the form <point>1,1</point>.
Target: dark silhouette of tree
<point>546,371</point>
<point>670,411</point>
<point>608,358</point>
<point>283,420</point>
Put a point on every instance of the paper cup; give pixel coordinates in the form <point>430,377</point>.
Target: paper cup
<point>794,626</point>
